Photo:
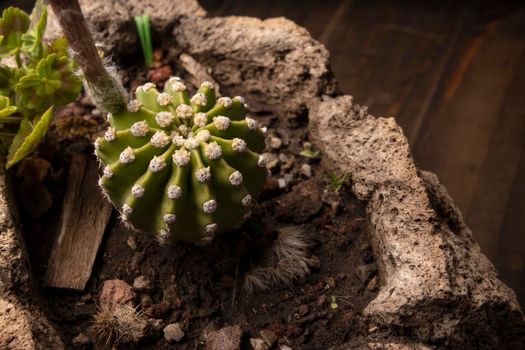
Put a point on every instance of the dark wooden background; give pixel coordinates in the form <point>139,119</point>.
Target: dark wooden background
<point>453,75</point>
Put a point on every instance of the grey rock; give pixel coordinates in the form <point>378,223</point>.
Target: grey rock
<point>173,332</point>
<point>24,325</point>
<point>274,64</point>
<point>227,338</point>
<point>434,280</point>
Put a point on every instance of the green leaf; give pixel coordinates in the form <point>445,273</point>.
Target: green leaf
<point>52,83</point>
<point>32,40</point>
<point>5,108</point>
<point>13,24</point>
<point>144,31</point>
<point>8,79</point>
<point>28,138</point>
<point>308,153</point>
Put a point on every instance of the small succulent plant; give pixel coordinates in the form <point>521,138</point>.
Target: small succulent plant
<point>183,168</point>
<point>35,77</point>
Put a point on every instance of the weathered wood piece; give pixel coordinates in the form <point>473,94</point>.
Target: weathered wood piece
<point>85,215</point>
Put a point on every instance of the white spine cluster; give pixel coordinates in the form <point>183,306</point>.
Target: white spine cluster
<point>178,140</point>
<point>240,99</point>
<point>210,206</point>
<point>191,143</point>
<point>238,145</point>
<point>181,157</point>
<point>178,86</point>
<point>110,134</point>
<point>203,135</point>
<point>126,209</point>
<point>160,139</point>
<point>137,191</point>
<point>213,151</point>
<point>252,124</point>
<point>127,155</point>
<point>247,200</point>
<point>174,192</point>
<point>203,175</point>
<point>164,99</point>
<point>210,229</point>
<point>207,84</point>
<point>199,99</point>
<point>164,119</point>
<point>162,238</point>
<point>261,162</point>
<point>235,178</point>
<point>184,111</point>
<point>139,129</point>
<point>108,172</point>
<point>183,129</point>
<point>225,101</point>
<point>146,87</point>
<point>169,218</point>
<point>157,164</point>
<point>97,144</point>
<point>200,119</point>
<point>221,122</point>
<point>134,106</point>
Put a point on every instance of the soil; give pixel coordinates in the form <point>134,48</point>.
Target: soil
<point>201,288</point>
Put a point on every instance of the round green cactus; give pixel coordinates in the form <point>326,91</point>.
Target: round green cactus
<point>182,168</point>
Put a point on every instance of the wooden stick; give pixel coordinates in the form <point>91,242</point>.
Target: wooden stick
<point>85,215</point>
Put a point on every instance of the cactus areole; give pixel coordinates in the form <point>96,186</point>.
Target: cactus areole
<point>183,168</point>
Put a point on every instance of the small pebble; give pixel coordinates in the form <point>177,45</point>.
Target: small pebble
<point>258,344</point>
<point>141,284</point>
<point>173,332</point>
<point>132,243</point>
<point>272,161</point>
<point>282,182</point>
<point>306,170</point>
<point>275,142</point>
<point>81,339</point>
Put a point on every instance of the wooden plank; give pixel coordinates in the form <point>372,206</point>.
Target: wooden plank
<point>85,215</point>
<point>499,178</point>
<point>391,58</point>
<point>455,139</point>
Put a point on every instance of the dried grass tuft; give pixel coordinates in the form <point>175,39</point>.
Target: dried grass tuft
<point>287,261</point>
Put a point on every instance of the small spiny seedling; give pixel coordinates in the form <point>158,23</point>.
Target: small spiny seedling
<point>118,323</point>
<point>183,168</point>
